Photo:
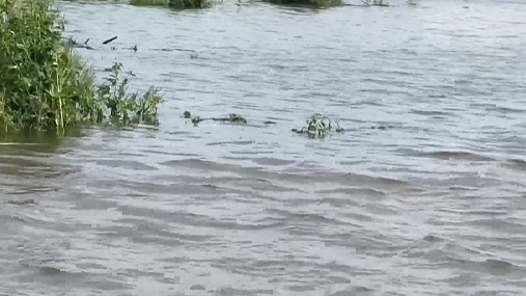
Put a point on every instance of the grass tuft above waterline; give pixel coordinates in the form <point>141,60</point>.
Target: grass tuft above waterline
<point>319,126</point>
<point>46,86</point>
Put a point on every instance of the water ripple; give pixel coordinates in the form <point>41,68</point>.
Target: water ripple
<point>422,195</point>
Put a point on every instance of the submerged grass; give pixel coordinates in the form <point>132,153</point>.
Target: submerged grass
<point>46,86</point>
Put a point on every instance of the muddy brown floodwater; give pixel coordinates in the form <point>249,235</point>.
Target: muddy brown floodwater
<point>432,205</point>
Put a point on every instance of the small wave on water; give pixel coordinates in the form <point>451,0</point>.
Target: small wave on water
<point>421,195</point>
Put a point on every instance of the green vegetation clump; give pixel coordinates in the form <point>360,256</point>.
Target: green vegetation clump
<point>46,86</point>
<point>188,4</point>
<point>312,3</point>
<point>149,2</point>
<point>127,108</point>
<point>318,126</point>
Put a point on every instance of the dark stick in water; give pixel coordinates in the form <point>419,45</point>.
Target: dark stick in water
<point>109,40</point>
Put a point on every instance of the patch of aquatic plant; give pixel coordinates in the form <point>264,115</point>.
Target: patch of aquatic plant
<point>149,2</point>
<point>188,4</point>
<point>125,108</point>
<point>318,126</point>
<point>231,118</point>
<point>311,3</point>
<point>45,85</point>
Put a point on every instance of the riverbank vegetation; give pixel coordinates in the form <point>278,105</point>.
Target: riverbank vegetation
<point>46,86</point>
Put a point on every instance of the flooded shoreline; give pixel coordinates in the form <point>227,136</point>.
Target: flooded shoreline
<point>431,205</point>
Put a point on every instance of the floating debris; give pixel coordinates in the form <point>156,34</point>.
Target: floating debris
<point>376,2</point>
<point>235,118</point>
<point>232,118</point>
<point>381,127</point>
<point>21,202</point>
<point>109,40</point>
<point>72,42</point>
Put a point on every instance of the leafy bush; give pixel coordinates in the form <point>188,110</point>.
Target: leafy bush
<point>45,85</point>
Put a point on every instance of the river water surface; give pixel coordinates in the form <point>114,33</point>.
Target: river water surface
<point>429,202</point>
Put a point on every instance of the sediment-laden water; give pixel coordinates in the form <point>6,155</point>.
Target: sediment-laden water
<point>431,203</point>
